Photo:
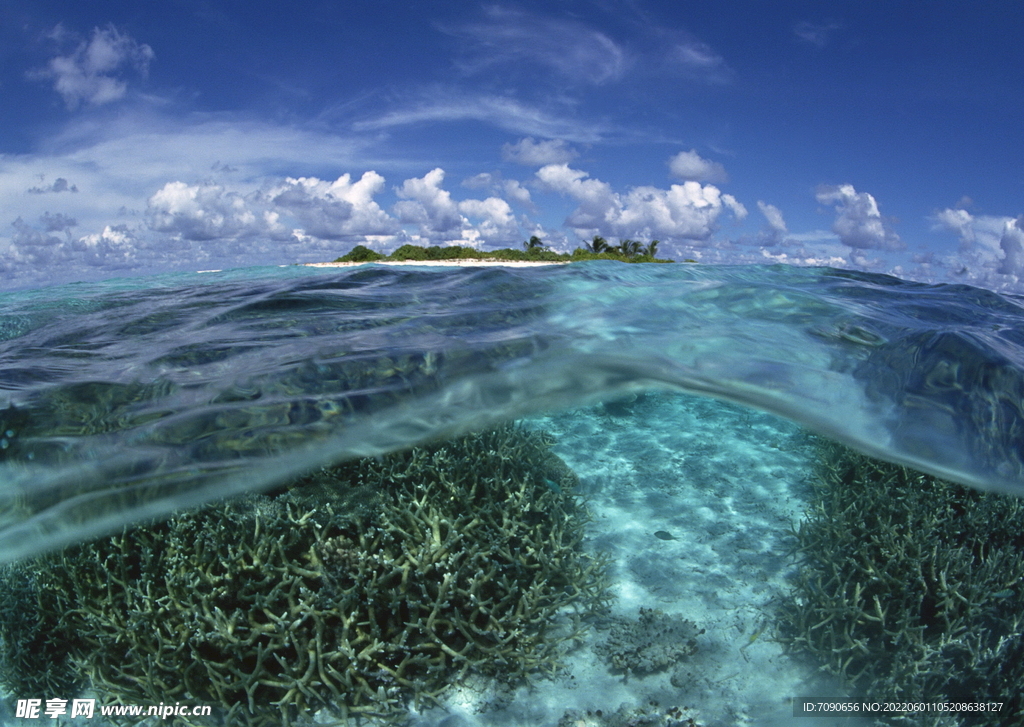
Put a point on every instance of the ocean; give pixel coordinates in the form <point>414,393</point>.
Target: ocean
<point>691,403</point>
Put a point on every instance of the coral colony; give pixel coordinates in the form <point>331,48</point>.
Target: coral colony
<point>911,586</point>
<point>357,589</point>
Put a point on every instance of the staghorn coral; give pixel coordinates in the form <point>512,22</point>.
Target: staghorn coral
<point>34,660</point>
<point>356,589</point>
<point>911,588</point>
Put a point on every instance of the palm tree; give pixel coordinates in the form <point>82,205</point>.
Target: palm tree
<point>598,244</point>
<point>651,249</point>
<point>534,243</point>
<point>630,248</point>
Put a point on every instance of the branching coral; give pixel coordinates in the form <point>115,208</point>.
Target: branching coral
<point>911,588</point>
<point>355,589</point>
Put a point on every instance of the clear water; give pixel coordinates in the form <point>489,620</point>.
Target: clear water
<point>131,398</point>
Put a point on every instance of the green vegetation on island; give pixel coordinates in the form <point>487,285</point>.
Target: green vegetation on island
<point>534,250</point>
<point>911,588</point>
<point>355,590</point>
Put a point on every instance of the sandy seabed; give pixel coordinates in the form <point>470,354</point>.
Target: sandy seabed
<point>726,483</point>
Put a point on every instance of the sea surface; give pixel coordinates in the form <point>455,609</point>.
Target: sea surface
<point>135,397</point>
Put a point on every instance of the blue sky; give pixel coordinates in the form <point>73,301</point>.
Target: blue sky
<point>198,134</point>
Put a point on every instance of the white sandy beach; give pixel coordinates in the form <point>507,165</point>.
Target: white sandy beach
<point>466,263</point>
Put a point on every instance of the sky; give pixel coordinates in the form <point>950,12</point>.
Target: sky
<point>203,134</point>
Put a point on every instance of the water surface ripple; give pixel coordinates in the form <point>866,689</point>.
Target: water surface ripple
<point>128,399</point>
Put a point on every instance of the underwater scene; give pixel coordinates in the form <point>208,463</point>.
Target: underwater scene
<point>590,495</point>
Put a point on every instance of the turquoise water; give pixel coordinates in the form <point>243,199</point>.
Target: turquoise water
<point>132,398</point>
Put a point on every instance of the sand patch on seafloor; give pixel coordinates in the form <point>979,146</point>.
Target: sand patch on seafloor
<point>726,483</point>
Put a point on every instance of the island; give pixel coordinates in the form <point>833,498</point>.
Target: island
<point>534,252</point>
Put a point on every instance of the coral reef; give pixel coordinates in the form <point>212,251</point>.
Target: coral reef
<point>652,643</point>
<point>911,589</point>
<point>356,589</point>
<point>34,661</point>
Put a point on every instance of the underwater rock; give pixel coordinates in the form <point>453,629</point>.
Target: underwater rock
<point>652,643</point>
<point>355,589</point>
<point>650,715</point>
<point>911,588</point>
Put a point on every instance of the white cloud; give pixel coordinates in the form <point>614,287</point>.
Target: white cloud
<point>499,111</point>
<point>335,210</point>
<point>498,224</point>
<point>738,210</point>
<point>513,38</point>
<point>858,222</point>
<point>685,211</point>
<point>817,34</point>
<point>531,153</point>
<point>92,73</point>
<point>773,215</point>
<point>116,247</point>
<point>989,245</point>
<point>1012,244</point>
<point>425,203</point>
<point>517,192</point>
<point>700,61</point>
<point>208,212</point>
<point>690,165</point>
<point>441,220</point>
<point>959,221</point>
<point>45,253</point>
<point>479,181</point>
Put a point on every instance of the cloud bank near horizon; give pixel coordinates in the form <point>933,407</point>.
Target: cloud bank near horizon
<point>136,177</point>
<point>238,214</point>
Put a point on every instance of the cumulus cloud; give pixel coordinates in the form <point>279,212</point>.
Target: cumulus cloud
<point>30,245</point>
<point>858,222</point>
<point>1012,244</point>
<point>517,192</point>
<point>687,211</point>
<point>207,212</point>
<point>691,166</point>
<point>988,243</point>
<point>38,248</point>
<point>440,219</point>
<point>959,221</point>
<point>532,153</point>
<point>116,247</point>
<point>425,203</point>
<point>335,210</point>
<point>59,185</point>
<point>497,223</point>
<point>93,72</point>
<point>322,210</point>
<point>773,216</point>
<point>513,38</point>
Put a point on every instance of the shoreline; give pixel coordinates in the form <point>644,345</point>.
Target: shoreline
<point>459,262</point>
